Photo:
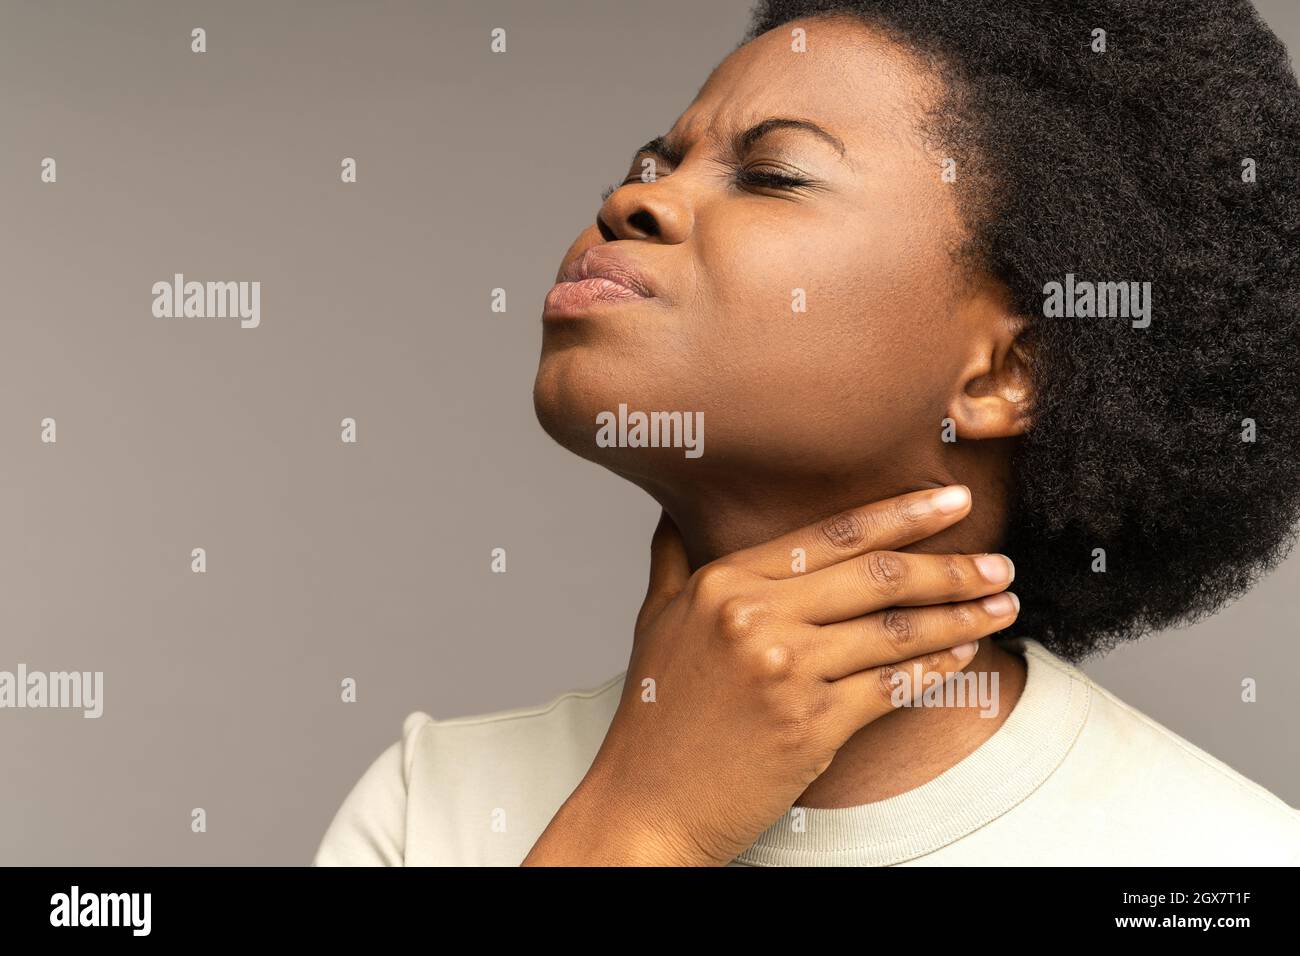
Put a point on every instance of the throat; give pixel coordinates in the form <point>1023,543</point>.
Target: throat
<point>912,745</point>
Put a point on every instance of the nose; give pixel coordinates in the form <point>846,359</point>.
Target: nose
<point>657,211</point>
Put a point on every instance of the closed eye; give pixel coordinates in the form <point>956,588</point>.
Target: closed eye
<point>745,177</point>
<point>751,176</point>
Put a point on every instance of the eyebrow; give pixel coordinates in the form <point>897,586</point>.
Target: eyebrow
<point>673,153</point>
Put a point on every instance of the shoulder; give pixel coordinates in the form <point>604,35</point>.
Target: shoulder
<point>442,791</point>
<point>1156,796</point>
<point>368,828</point>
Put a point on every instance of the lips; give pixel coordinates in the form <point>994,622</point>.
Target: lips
<point>599,276</point>
<point>600,262</point>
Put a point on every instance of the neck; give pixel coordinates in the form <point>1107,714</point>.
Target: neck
<point>718,514</point>
<point>912,745</point>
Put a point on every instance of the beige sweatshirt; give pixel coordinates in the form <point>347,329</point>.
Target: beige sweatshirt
<point>1073,776</point>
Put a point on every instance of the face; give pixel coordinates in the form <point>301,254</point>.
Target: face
<point>785,271</point>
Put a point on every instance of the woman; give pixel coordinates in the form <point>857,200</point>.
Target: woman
<point>943,280</point>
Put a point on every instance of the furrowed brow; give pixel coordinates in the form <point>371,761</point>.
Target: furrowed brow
<point>673,154</point>
<point>747,138</point>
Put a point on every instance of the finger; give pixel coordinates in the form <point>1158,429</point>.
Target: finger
<point>882,525</point>
<point>902,633</point>
<point>669,568</point>
<point>867,695</point>
<point>884,579</point>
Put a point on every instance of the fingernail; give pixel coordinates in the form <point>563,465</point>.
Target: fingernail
<point>964,652</point>
<point>951,500</point>
<point>1000,604</point>
<point>996,568</point>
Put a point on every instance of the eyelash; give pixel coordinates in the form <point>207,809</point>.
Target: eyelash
<point>743,177</point>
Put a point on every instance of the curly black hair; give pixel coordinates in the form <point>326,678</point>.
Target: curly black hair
<point>1128,165</point>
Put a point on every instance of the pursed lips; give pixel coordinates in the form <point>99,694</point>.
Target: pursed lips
<point>598,263</point>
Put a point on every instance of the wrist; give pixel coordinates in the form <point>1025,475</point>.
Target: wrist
<point>596,827</point>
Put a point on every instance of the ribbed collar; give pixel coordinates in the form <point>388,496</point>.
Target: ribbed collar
<point>1001,772</point>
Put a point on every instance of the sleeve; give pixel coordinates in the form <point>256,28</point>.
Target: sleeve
<point>369,828</point>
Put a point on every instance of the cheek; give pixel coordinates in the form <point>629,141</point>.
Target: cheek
<point>839,315</point>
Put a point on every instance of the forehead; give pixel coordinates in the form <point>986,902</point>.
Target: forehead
<point>849,78</point>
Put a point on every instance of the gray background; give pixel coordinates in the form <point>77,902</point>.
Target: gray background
<point>326,560</point>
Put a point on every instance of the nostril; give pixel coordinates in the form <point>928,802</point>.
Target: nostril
<point>606,233</point>
<point>643,222</point>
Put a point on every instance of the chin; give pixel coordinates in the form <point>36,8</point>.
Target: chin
<point>570,399</point>
<point>566,405</point>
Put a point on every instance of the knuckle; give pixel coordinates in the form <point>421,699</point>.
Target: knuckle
<point>713,583</point>
<point>907,515</point>
<point>798,719</point>
<point>740,617</point>
<point>820,704</point>
<point>955,571</point>
<point>899,627</point>
<point>848,529</point>
<point>884,571</point>
<point>888,678</point>
<point>776,662</point>
<point>962,618</point>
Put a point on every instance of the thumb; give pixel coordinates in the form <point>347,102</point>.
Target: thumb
<point>669,569</point>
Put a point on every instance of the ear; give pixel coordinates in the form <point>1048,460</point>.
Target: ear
<point>991,396</point>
